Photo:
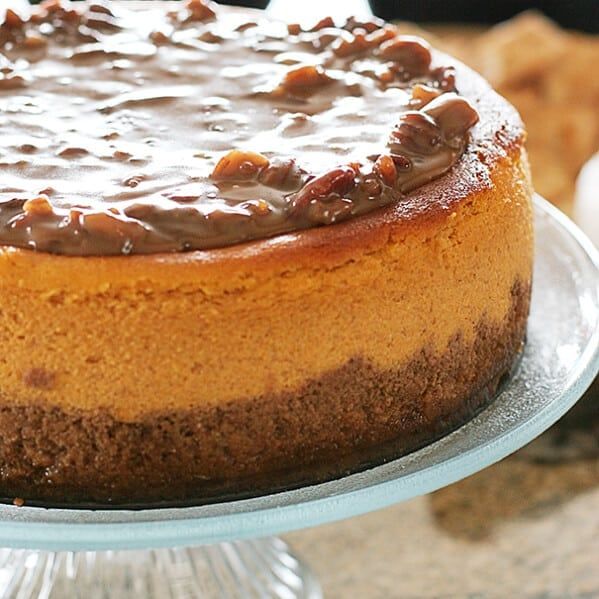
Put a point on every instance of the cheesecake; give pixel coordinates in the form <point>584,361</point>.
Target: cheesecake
<point>238,255</point>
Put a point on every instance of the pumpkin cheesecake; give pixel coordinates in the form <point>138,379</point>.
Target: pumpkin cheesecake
<point>238,255</point>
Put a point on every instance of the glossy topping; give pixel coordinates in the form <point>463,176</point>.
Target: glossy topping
<point>141,131</point>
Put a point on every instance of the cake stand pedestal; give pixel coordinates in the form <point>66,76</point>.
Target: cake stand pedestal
<point>256,569</point>
<point>125,554</point>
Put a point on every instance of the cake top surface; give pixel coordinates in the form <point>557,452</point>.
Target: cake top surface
<point>162,129</point>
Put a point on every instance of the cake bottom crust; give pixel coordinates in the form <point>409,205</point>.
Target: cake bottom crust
<point>348,419</point>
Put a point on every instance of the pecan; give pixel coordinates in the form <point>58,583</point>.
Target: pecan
<point>239,165</point>
<point>417,133</point>
<point>294,29</point>
<point>412,54</point>
<point>200,10</point>
<point>33,41</point>
<point>349,44</point>
<point>445,78</point>
<point>52,6</point>
<point>369,26</point>
<point>422,95</point>
<point>101,7</point>
<point>385,168</point>
<point>245,26</point>
<point>13,20</point>
<point>159,38</point>
<point>371,187</point>
<point>39,206</point>
<point>333,184</point>
<point>382,35</point>
<point>305,77</point>
<point>329,211</point>
<point>454,115</point>
<point>257,207</point>
<point>209,37</point>
<point>323,23</point>
<point>281,174</point>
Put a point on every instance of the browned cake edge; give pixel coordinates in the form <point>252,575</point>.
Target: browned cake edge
<point>348,419</point>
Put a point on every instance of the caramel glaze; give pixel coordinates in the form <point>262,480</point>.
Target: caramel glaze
<point>127,132</point>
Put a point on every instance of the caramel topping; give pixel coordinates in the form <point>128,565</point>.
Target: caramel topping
<point>205,127</point>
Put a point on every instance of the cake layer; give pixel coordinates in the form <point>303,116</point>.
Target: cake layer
<point>341,421</point>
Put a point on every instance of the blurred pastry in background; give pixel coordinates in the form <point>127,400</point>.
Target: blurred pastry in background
<point>549,74</point>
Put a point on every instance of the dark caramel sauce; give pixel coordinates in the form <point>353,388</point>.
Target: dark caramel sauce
<point>145,131</point>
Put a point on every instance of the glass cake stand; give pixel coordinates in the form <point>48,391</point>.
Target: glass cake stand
<point>119,554</point>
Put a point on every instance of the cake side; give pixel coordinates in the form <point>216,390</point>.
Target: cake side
<point>136,395</point>
<point>345,420</point>
<point>228,334</point>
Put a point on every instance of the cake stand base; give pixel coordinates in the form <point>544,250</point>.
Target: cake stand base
<point>249,569</point>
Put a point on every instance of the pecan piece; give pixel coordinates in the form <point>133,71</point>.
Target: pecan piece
<point>101,7</point>
<point>349,44</point>
<point>412,54</point>
<point>382,35</point>
<point>305,77</point>
<point>323,24</point>
<point>330,211</point>
<point>294,29</point>
<point>454,115</point>
<point>369,26</point>
<point>39,206</point>
<point>423,94</point>
<point>239,165</point>
<point>12,20</point>
<point>200,10</point>
<point>333,184</point>
<point>281,174</point>
<point>385,168</point>
<point>416,134</point>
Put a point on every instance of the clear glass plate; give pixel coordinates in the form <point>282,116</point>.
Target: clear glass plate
<point>560,361</point>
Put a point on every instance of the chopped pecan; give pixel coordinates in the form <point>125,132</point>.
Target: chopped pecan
<point>369,26</point>
<point>294,29</point>
<point>385,168</point>
<point>332,184</point>
<point>33,41</point>
<point>371,187</point>
<point>39,206</point>
<point>101,7</point>
<point>330,210</point>
<point>239,165</point>
<point>257,207</point>
<point>423,94</point>
<point>412,54</point>
<point>159,38</point>
<point>416,134</point>
<point>454,115</point>
<point>281,174</point>
<point>323,24</point>
<point>200,10</point>
<point>382,35</point>
<point>308,76</point>
<point>12,20</point>
<point>349,44</point>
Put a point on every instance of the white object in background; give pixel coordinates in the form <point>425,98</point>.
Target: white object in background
<point>311,11</point>
<point>586,201</point>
